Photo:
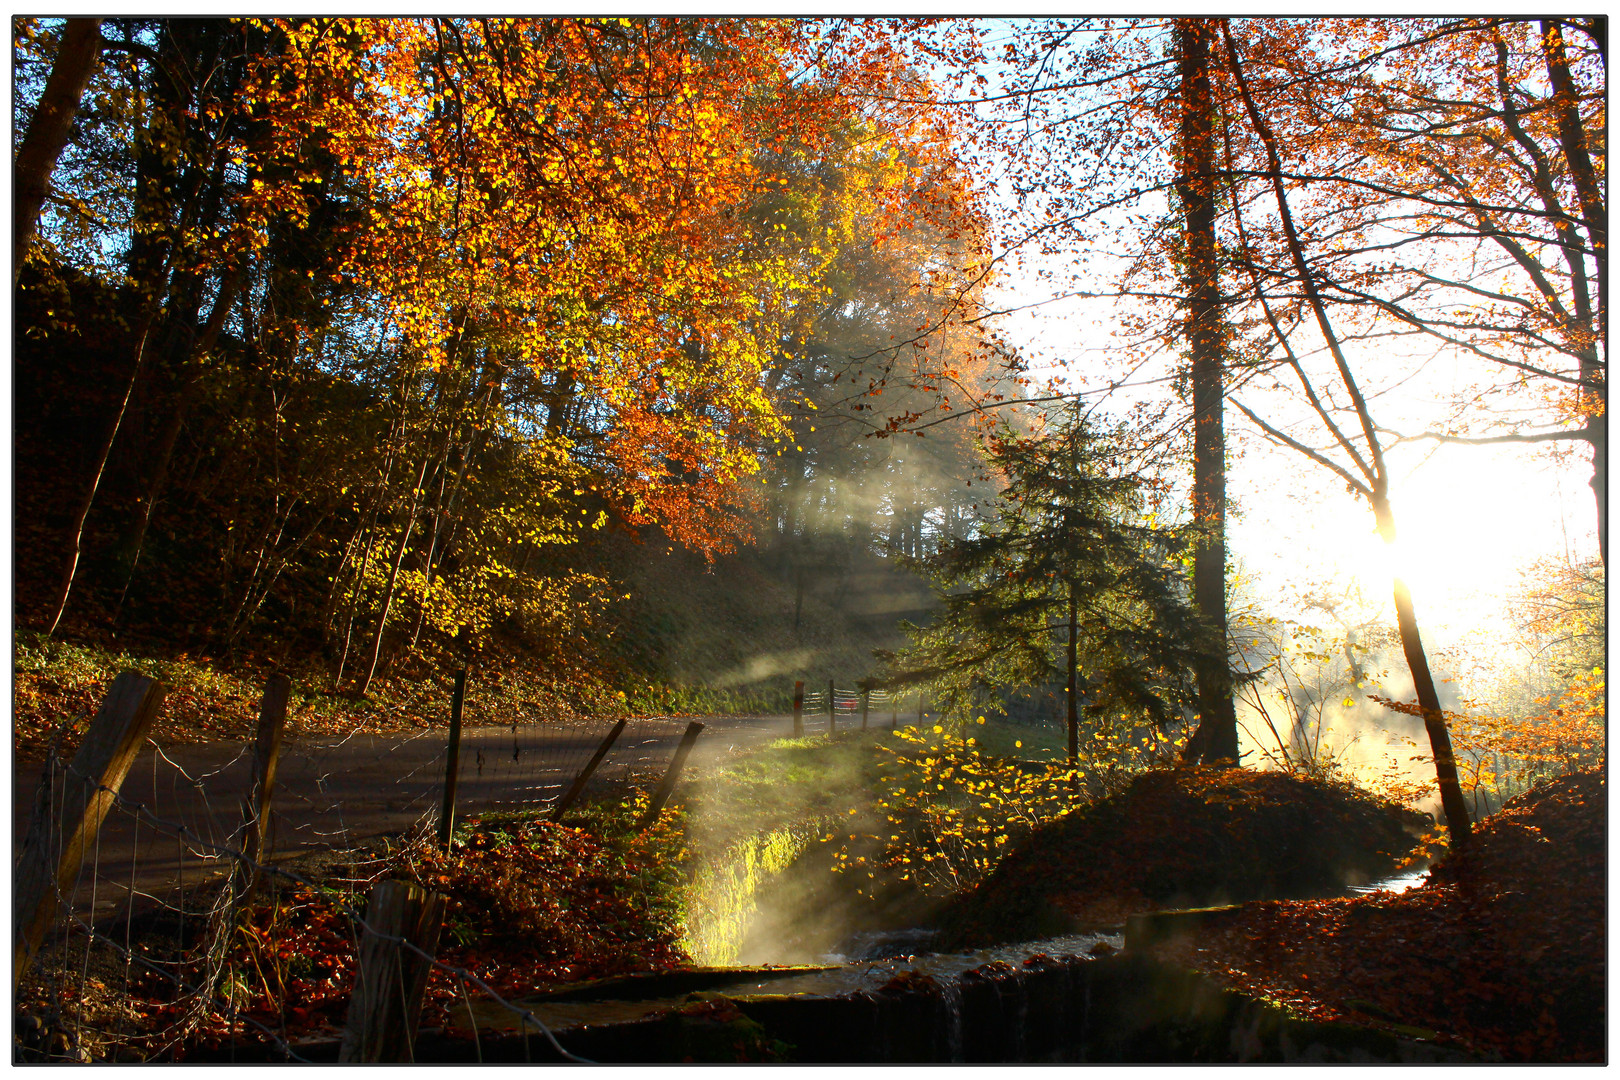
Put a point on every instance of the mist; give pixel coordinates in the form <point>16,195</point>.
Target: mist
<point>1367,740</point>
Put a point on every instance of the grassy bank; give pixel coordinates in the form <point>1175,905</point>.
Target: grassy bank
<point>58,686</point>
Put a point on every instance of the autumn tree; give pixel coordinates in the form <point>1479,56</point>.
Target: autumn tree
<point>388,314</point>
<point>48,130</point>
<point>1338,406</point>
<point>1104,130</point>
<point>886,340</point>
<point>1452,161</point>
<point>1205,341</point>
<point>1411,181</point>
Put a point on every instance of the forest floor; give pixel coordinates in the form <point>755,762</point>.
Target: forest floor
<point>1501,952</point>
<point>529,904</point>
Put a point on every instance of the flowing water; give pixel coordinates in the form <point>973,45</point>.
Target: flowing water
<point>865,962</point>
<point>947,968</point>
<point>868,960</point>
<point>1399,883</point>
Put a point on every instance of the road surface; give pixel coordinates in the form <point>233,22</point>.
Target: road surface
<point>333,793</point>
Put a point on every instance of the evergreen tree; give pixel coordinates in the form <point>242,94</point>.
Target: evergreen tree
<point>1070,582</point>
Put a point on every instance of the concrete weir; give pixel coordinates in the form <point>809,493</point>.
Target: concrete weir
<point>1118,1008</point>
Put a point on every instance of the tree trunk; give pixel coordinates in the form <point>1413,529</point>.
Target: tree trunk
<point>1216,737</point>
<point>1074,688</point>
<point>1597,426</point>
<point>1434,721</point>
<point>395,437</point>
<point>204,343</point>
<point>1589,191</point>
<point>48,131</point>
<point>393,576</point>
<point>76,533</point>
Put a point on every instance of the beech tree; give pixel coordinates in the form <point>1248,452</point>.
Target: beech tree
<point>1205,338</point>
<point>1104,131</point>
<point>1364,179</point>
<point>1450,198</point>
<point>373,320</point>
<point>48,130</point>
<point>1355,450</point>
<point>1373,168</point>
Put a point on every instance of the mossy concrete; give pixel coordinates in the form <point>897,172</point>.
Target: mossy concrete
<point>1118,1009</point>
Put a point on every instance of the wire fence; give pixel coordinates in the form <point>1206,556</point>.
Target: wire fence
<point>181,919</point>
<point>127,973</point>
<point>853,708</point>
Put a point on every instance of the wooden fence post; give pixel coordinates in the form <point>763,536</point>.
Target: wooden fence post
<point>832,705</point>
<point>388,987</point>
<point>919,708</point>
<point>667,784</point>
<point>452,762</point>
<point>585,774</point>
<point>266,755</point>
<point>866,705</point>
<point>97,771</point>
<point>894,711</point>
<point>798,709</point>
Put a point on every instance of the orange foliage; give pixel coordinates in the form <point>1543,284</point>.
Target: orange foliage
<point>1506,754</point>
<point>597,200</point>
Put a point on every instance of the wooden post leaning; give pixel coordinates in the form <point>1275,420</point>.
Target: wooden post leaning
<point>266,756</point>
<point>584,776</point>
<point>387,1000</point>
<point>667,785</point>
<point>832,705</point>
<point>866,705</point>
<point>96,773</point>
<point>452,761</point>
<point>798,709</point>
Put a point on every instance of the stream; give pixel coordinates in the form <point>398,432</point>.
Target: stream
<point>866,961</point>
<point>850,975</point>
<point>1398,883</point>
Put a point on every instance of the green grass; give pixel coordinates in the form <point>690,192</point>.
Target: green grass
<point>792,779</point>
<point>1001,738</point>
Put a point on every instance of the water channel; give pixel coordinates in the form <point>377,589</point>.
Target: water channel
<point>881,996</point>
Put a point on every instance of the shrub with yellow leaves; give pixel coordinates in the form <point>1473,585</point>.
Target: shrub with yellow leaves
<point>952,811</point>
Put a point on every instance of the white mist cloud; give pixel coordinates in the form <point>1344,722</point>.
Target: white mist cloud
<point>1368,739</point>
<point>767,665</point>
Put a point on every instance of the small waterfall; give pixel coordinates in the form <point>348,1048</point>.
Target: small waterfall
<point>1017,984</point>
<point>950,992</point>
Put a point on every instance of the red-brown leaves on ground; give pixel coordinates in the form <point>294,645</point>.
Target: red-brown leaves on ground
<point>537,904</point>
<point>1186,837</point>
<point>1502,951</point>
<point>529,906</point>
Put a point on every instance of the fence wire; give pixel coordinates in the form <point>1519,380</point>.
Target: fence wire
<point>849,706</point>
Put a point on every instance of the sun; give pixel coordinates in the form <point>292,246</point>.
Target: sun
<point>1469,522</point>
